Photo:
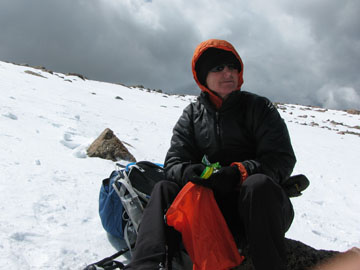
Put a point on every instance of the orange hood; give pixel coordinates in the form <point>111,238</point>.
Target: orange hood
<point>219,44</point>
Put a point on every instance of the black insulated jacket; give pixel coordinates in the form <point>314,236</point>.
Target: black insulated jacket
<point>247,128</point>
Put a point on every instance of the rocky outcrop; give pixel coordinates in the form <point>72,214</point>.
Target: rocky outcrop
<point>108,146</point>
<point>299,256</point>
<point>77,75</point>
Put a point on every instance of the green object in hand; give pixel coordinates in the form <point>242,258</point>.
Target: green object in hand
<point>210,168</point>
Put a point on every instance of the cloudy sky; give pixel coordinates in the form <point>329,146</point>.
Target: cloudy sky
<point>305,52</point>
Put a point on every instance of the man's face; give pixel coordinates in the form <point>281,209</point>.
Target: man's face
<point>223,79</point>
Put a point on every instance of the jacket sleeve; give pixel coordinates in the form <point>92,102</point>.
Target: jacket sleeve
<point>183,150</point>
<point>274,154</point>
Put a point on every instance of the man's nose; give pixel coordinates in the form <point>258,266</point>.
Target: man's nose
<point>227,71</point>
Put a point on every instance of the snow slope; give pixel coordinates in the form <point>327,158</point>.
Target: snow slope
<point>49,187</point>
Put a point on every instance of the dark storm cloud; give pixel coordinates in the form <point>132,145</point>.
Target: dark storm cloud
<point>95,39</point>
<point>307,52</point>
<point>335,29</point>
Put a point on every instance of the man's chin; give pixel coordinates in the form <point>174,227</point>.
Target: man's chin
<point>225,93</point>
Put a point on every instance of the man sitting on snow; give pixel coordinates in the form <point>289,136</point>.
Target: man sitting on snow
<point>246,135</point>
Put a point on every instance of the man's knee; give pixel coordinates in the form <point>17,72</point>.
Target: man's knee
<point>261,190</point>
<point>260,185</point>
<point>167,188</point>
<point>260,193</point>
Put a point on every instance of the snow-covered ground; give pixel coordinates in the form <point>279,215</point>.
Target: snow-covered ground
<point>49,187</point>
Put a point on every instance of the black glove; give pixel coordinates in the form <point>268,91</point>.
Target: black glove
<point>224,180</point>
<point>193,171</point>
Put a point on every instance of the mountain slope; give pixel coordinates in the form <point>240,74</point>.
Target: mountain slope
<point>49,187</point>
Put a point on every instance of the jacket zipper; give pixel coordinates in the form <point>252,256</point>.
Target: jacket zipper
<point>218,128</point>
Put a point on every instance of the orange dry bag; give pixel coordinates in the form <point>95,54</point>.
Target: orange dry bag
<point>205,234</point>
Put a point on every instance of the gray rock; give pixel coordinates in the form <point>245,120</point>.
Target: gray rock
<point>108,146</point>
<point>34,73</point>
<point>77,75</point>
<point>299,256</point>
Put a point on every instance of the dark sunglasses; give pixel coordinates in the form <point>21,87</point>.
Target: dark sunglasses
<point>221,67</point>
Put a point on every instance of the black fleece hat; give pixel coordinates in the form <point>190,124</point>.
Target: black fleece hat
<point>211,58</point>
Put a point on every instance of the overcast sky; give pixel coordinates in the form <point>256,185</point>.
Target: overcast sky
<point>305,52</point>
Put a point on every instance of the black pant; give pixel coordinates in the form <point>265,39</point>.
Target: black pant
<point>259,214</point>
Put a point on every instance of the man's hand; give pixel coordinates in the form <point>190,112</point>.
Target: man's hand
<point>192,172</point>
<point>223,180</point>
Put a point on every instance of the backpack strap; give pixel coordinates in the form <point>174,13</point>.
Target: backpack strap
<point>129,199</point>
<point>108,263</point>
<point>125,186</point>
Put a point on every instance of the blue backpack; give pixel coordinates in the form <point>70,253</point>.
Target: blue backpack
<point>121,189</point>
<point>110,207</point>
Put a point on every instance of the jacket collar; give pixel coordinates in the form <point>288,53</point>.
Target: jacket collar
<point>233,100</point>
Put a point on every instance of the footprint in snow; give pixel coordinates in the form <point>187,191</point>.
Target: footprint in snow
<point>11,116</point>
<point>49,210</point>
<point>68,142</point>
<point>23,236</point>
